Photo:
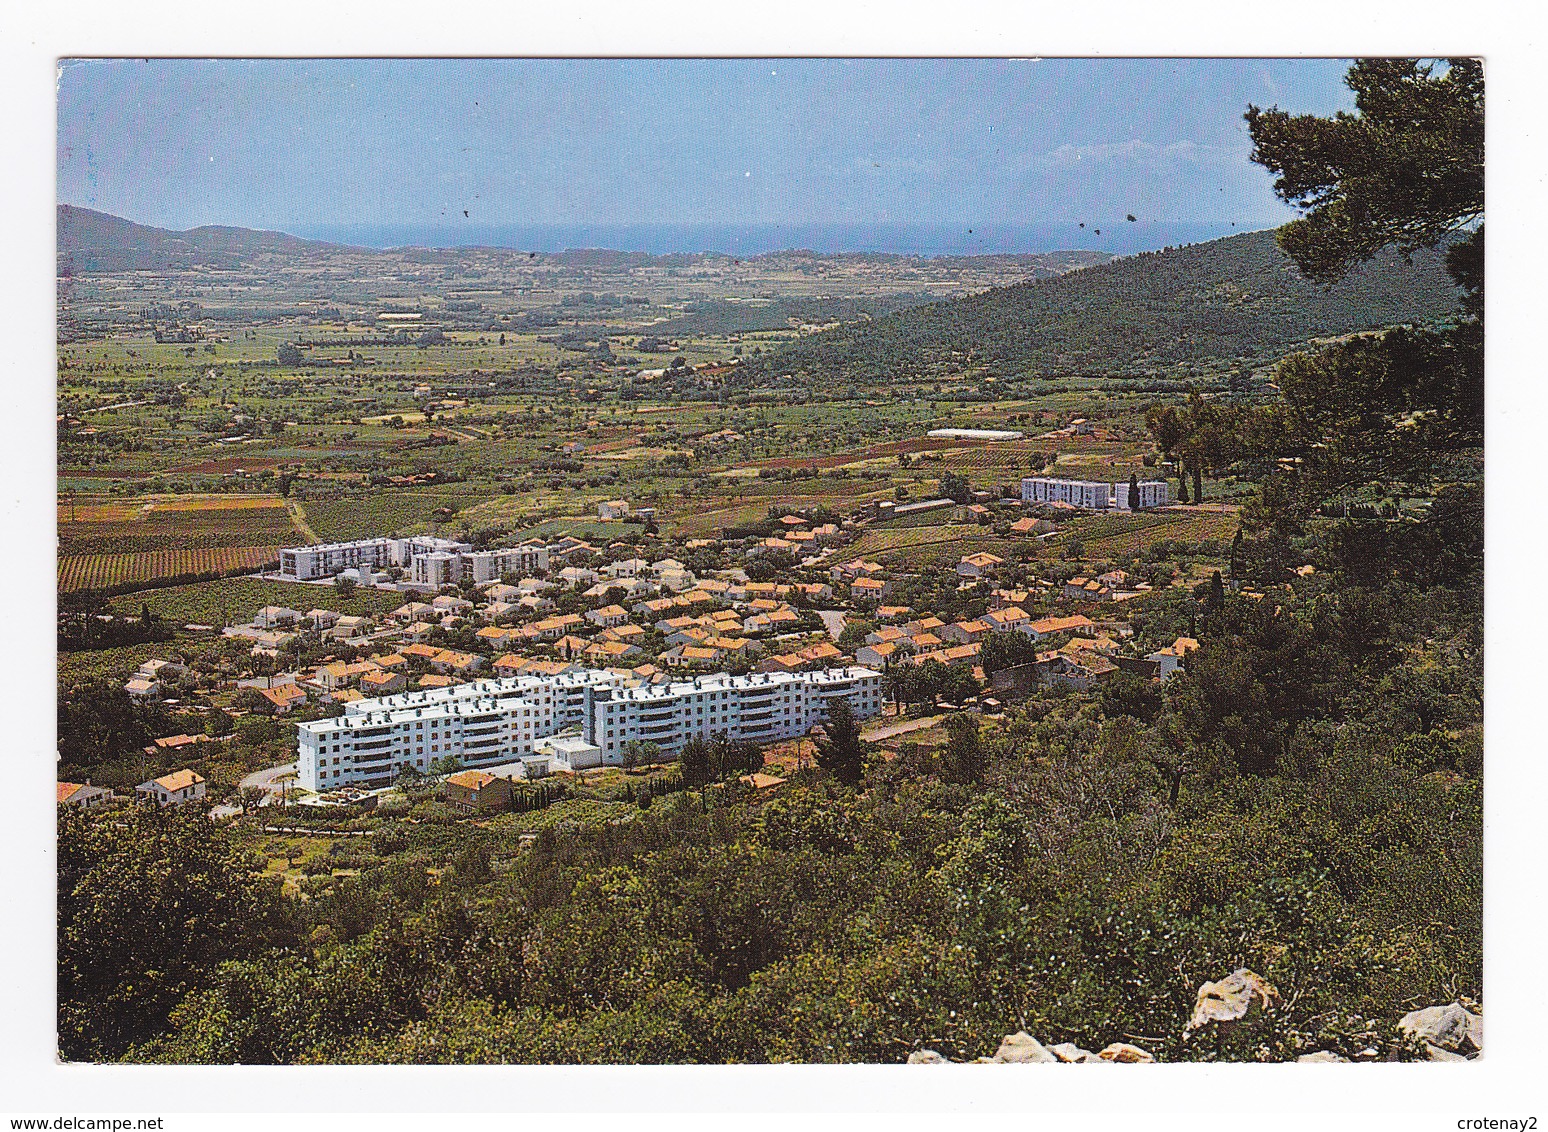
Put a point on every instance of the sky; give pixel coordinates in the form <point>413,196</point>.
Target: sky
<point>305,145</point>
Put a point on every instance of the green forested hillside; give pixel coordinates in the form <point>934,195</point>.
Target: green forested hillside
<point>1213,304</point>
<point>1304,801</point>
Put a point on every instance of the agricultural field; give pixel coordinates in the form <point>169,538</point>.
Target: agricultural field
<point>491,395</point>
<point>384,512</point>
<point>93,525</point>
<point>234,600</point>
<point>956,538</point>
<point>1111,537</point>
<point>116,542</point>
<point>100,571</point>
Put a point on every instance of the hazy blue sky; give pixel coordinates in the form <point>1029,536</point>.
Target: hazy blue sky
<point>288,144</point>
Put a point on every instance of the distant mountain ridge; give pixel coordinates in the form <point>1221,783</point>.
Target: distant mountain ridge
<point>98,241</point>
<point>1237,300</point>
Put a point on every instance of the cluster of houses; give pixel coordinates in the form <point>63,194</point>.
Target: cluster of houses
<point>567,614</point>
<point>656,617</point>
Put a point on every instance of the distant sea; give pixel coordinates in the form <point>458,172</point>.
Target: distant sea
<point>1119,237</point>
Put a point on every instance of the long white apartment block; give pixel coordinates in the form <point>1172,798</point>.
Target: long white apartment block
<point>761,707</point>
<point>322,560</point>
<point>1093,495</point>
<point>482,723</point>
<point>497,721</point>
<point>429,561</point>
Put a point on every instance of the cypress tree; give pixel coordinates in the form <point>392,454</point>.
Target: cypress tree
<point>840,751</point>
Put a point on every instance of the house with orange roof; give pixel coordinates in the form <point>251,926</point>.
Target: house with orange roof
<point>735,646</point>
<point>1047,626</point>
<point>509,665</point>
<point>821,652</point>
<point>978,565</point>
<point>380,683</point>
<point>570,646</point>
<point>476,792</point>
<point>877,655</point>
<point>457,663</point>
<point>174,743</point>
<point>84,795</point>
<point>1004,620</point>
<point>610,652</point>
<point>965,632</point>
<point>173,789</point>
<point>1170,659</point>
<point>868,590</point>
<point>608,616</point>
<point>284,697</point>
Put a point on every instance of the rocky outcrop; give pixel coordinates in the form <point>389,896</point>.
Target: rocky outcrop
<point>1448,1033</point>
<point>1072,1053</point>
<point>1022,1047</point>
<point>1231,999</point>
<point>1126,1054</point>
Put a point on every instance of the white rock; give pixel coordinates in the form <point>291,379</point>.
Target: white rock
<point>1320,1056</point>
<point>1230,999</point>
<point>1070,1052</point>
<point>1022,1047</point>
<point>925,1057</point>
<point>1453,1027</point>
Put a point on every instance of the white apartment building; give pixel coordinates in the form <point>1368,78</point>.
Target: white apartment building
<point>495,721</point>
<point>482,723</point>
<point>439,568</point>
<point>761,707</point>
<point>1152,493</point>
<point>1092,495</point>
<point>1077,493</point>
<point>430,561</point>
<point>491,565</point>
<point>324,560</point>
